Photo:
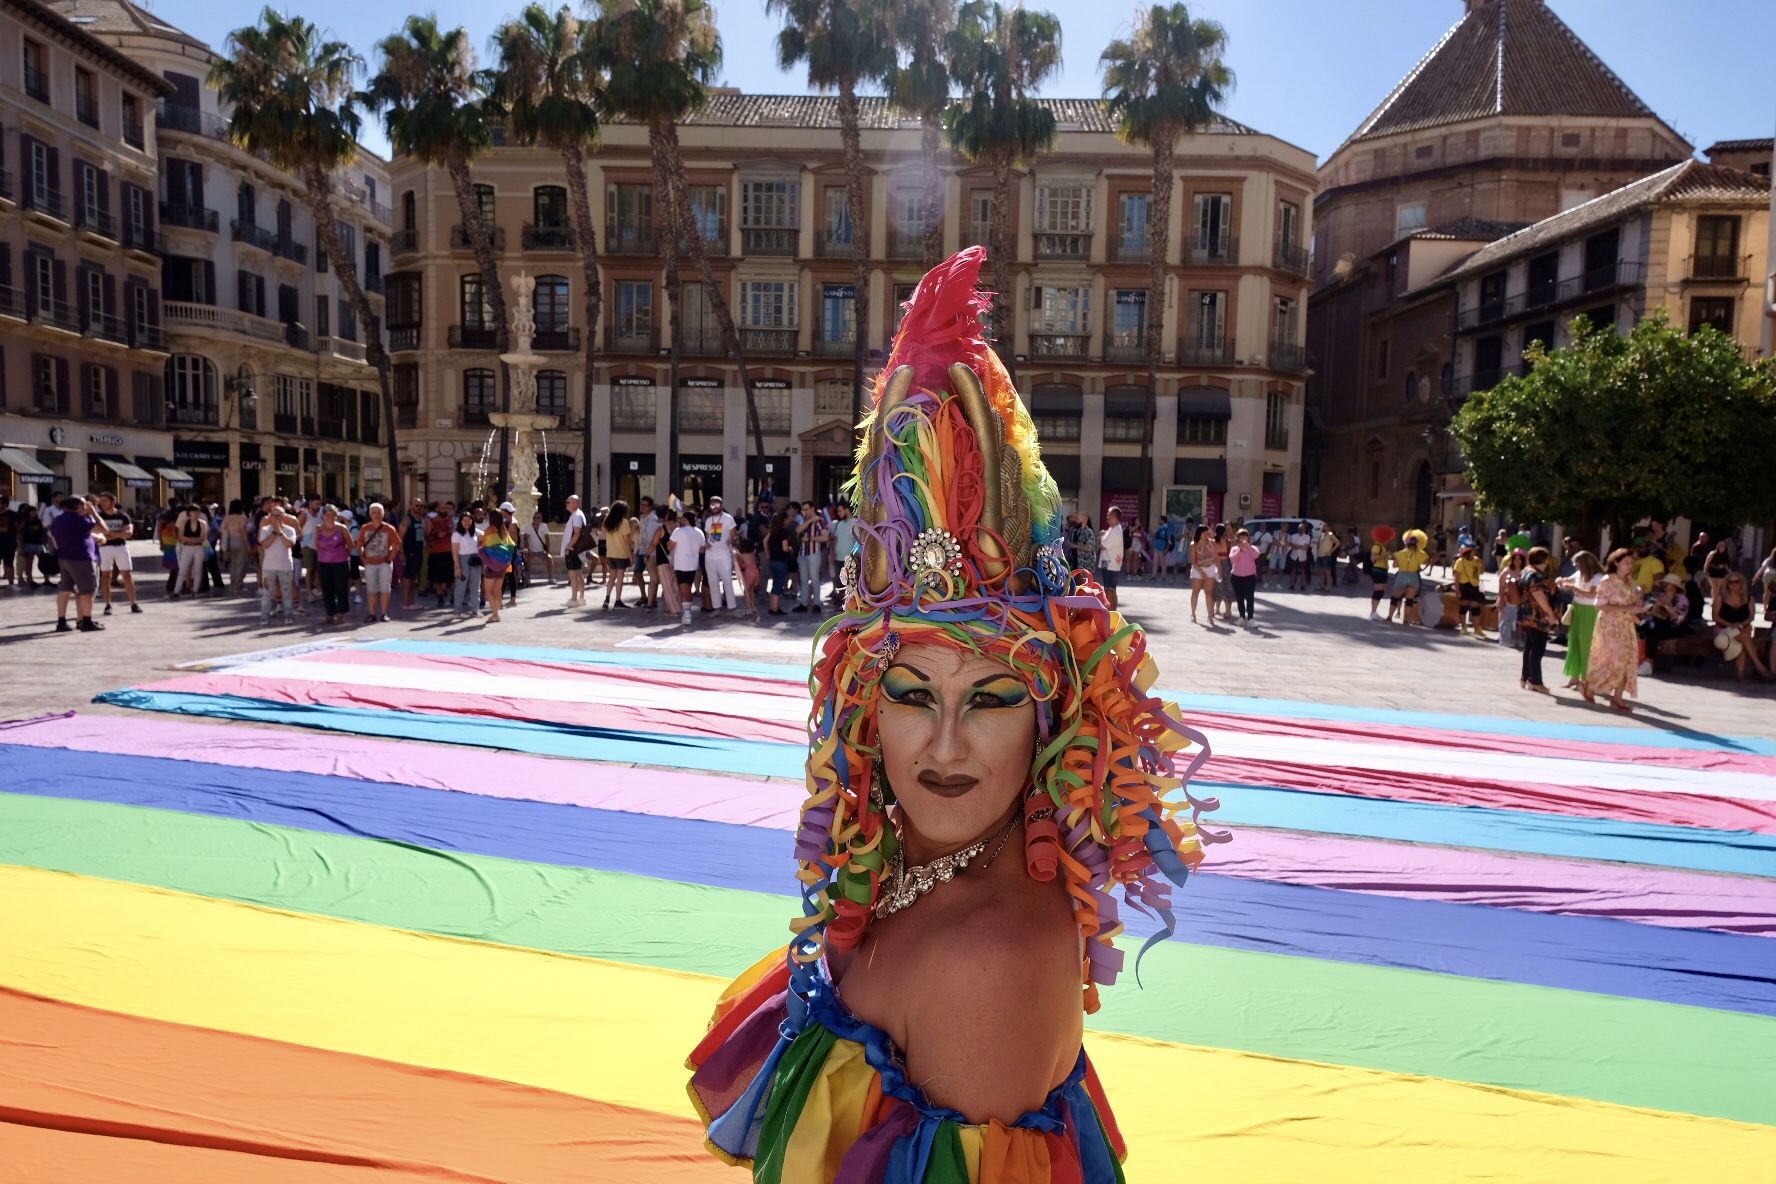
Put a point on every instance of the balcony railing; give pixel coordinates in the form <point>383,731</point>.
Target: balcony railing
<point>1126,347</point>
<point>96,222</point>
<point>198,417</point>
<point>560,340</point>
<point>149,337</point>
<point>105,327</point>
<point>1286,355</point>
<point>1291,257</point>
<point>769,341</point>
<point>1277,439</point>
<point>838,347</point>
<point>471,415</point>
<point>57,314</point>
<point>36,83</point>
<point>633,341</point>
<point>404,242</point>
<point>188,217</point>
<point>769,240</point>
<point>459,238</point>
<point>1213,249</point>
<point>906,242</point>
<point>472,337</point>
<point>225,320</point>
<point>630,240</point>
<point>1714,267</point>
<point>547,238</point>
<point>137,238</point>
<point>46,201</point>
<point>1060,346</point>
<point>715,240</point>
<point>1622,274</point>
<point>253,235</point>
<point>1130,250</point>
<point>1205,351</point>
<point>297,337</point>
<point>1063,244</point>
<point>6,190</point>
<point>12,302</point>
<point>285,247</point>
<point>829,245</point>
<point>403,337</point>
<point>284,423</point>
<point>86,108</point>
<point>705,344</point>
<point>135,136</point>
<point>341,347</point>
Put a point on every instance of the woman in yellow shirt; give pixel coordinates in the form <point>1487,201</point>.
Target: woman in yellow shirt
<point>1467,570</point>
<point>1408,562</point>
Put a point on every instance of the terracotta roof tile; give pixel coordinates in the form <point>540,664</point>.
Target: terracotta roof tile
<point>1765,144</point>
<point>1504,57</point>
<point>120,16</point>
<point>731,109</point>
<point>1689,181</point>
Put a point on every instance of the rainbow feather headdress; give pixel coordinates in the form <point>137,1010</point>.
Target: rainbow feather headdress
<point>958,527</point>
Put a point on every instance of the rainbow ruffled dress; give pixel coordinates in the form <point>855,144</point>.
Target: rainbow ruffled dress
<point>795,1086</point>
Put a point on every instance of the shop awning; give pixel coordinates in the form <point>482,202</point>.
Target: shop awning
<point>177,478</point>
<point>1208,472</point>
<point>132,476</point>
<point>1126,403</point>
<point>1204,403</point>
<point>26,468</point>
<point>1057,399</point>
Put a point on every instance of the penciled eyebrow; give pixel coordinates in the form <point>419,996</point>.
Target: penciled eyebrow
<point>976,685</point>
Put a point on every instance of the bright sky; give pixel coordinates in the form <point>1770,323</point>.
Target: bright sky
<point>1308,70</point>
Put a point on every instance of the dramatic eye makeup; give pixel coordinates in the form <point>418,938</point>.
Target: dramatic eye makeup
<point>1001,690</point>
<point>902,684</point>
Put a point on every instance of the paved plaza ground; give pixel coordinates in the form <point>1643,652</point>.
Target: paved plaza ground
<point>1313,646</point>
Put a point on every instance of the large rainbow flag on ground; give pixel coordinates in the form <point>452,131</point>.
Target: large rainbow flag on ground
<point>1439,948</point>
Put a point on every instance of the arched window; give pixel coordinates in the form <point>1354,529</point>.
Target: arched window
<point>1411,385</point>
<point>551,304</point>
<point>409,211</point>
<point>552,393</point>
<point>191,388</point>
<point>479,395</point>
<point>549,206</point>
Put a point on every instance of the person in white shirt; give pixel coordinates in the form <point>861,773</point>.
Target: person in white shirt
<point>277,537</point>
<point>569,555</point>
<point>465,543</point>
<point>844,541</point>
<point>1299,543</point>
<point>718,557</point>
<point>536,546</point>
<point>1110,554</point>
<point>687,545</point>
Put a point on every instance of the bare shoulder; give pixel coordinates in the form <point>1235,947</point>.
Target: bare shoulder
<point>999,1016</point>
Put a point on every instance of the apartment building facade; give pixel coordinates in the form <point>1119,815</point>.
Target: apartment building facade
<point>1757,156</point>
<point>82,349</point>
<point>768,190</point>
<point>266,386</point>
<point>1508,120</point>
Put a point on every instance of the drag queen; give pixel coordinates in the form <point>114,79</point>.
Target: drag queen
<point>990,784</point>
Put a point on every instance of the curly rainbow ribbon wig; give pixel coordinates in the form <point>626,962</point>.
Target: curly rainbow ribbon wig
<point>958,528</point>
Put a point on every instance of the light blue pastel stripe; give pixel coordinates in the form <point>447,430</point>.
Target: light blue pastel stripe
<point>1695,848</point>
<point>1690,740</point>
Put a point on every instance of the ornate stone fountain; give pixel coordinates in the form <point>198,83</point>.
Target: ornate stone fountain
<point>522,421</point>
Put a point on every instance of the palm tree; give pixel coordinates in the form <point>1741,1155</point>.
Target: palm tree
<point>919,84</point>
<point>431,99</point>
<point>999,57</point>
<point>844,43</point>
<point>289,91</point>
<point>546,90</point>
<point>1162,83</point>
<point>659,57</point>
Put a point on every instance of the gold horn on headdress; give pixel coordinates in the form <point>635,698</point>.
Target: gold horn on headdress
<point>875,560</point>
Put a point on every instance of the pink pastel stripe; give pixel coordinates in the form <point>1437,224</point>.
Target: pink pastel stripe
<point>687,722</point>
<point>1653,896</point>
<point>558,671</point>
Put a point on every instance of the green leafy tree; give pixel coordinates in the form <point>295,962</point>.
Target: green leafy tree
<point>1163,82</point>
<point>919,84</point>
<point>1613,428</point>
<point>290,98</point>
<point>845,44</point>
<point>545,90</point>
<point>999,56</point>
<point>659,58</point>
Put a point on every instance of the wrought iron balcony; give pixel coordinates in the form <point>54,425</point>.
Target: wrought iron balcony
<point>705,344</point>
<point>547,238</point>
<point>285,247</point>
<point>1064,347</point>
<point>188,217</point>
<point>829,244</point>
<point>45,201</point>
<point>769,341</point>
<point>631,341</point>
<point>1291,257</point>
<point>562,340</point>
<point>769,240</point>
<point>1205,351</point>
<point>57,314</point>
<point>135,136</point>
<point>200,416</point>
<point>1126,347</point>
<point>472,337</point>
<point>404,242</point>
<point>403,337</point>
<point>6,190</point>
<point>906,242</point>
<point>1207,250</point>
<point>12,302</point>
<point>1063,244</point>
<point>36,82</point>
<point>148,337</point>
<point>296,336</point>
<point>104,327</point>
<point>630,239</point>
<point>253,235</point>
<point>96,222</point>
<point>459,238</point>
<point>1286,355</point>
<point>1131,250</point>
<point>839,347</point>
<point>1714,267</point>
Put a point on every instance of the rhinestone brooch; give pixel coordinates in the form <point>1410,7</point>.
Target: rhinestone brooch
<point>1051,567</point>
<point>934,555</point>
